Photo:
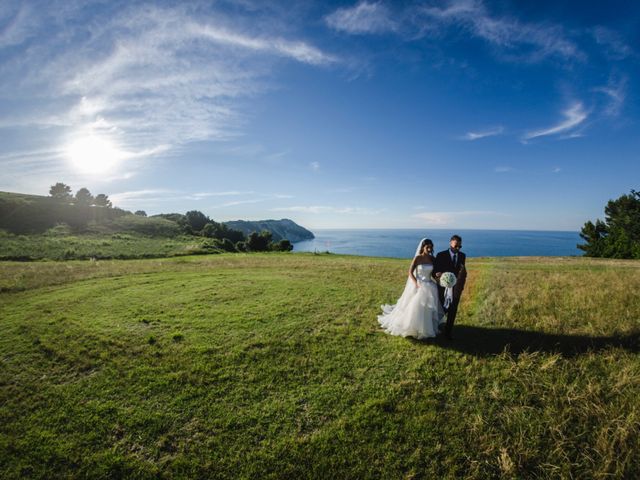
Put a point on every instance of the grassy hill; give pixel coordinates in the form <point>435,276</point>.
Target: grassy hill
<point>273,365</point>
<point>69,246</point>
<point>37,215</point>
<point>22,213</point>
<point>35,227</point>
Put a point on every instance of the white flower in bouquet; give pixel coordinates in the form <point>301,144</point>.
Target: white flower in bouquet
<point>448,280</point>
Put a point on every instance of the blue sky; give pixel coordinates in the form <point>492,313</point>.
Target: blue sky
<point>434,114</point>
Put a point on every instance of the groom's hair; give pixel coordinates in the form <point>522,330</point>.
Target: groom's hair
<point>456,237</point>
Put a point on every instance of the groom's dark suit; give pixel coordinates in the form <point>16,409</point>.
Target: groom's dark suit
<point>444,263</point>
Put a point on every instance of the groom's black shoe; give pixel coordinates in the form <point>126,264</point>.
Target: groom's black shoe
<point>448,335</point>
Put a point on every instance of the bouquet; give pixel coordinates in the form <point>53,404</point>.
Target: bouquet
<point>448,280</point>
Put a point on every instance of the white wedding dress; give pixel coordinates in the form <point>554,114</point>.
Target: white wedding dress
<point>418,311</point>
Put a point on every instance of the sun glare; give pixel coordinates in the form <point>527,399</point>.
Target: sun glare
<point>93,155</point>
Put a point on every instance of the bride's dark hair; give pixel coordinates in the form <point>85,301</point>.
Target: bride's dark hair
<point>425,242</point>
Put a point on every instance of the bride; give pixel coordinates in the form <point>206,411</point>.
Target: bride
<point>418,311</point>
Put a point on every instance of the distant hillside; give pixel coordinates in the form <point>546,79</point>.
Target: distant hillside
<point>280,229</point>
<point>21,213</point>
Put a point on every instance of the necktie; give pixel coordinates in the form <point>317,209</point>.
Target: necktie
<point>455,259</point>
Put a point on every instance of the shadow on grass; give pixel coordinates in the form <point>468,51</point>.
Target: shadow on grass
<point>484,341</point>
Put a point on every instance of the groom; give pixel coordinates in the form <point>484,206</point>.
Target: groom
<point>451,260</point>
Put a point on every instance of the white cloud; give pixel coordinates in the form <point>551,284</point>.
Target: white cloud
<point>220,194</point>
<point>437,219</point>
<point>573,116</point>
<point>256,198</point>
<point>150,197</point>
<point>362,18</point>
<point>556,170</point>
<point>512,38</point>
<point>296,50</point>
<point>151,78</point>
<point>317,209</point>
<point>276,157</point>
<point>142,196</point>
<point>484,133</point>
<point>315,166</point>
<point>20,23</point>
<point>531,41</point>
<point>503,169</point>
<point>616,92</point>
<point>239,202</point>
<point>342,190</point>
<point>614,47</point>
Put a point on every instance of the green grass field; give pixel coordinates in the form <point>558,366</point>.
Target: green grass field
<point>273,366</point>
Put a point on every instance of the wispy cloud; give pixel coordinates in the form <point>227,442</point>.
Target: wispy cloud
<point>616,92</point>
<point>436,219</point>
<point>343,190</point>
<point>614,46</point>
<point>150,78</point>
<point>146,197</point>
<point>490,132</point>
<point>510,38</point>
<point>142,196</point>
<point>365,17</point>
<point>255,198</point>
<point>513,39</point>
<point>315,166</point>
<point>573,116</point>
<point>503,169</point>
<point>20,23</point>
<point>317,209</point>
<point>221,194</point>
<point>522,40</point>
<point>296,50</point>
<point>239,202</point>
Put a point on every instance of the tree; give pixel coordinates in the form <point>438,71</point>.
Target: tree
<point>196,220</point>
<point>227,245</point>
<point>234,235</point>
<point>594,234</point>
<point>283,245</point>
<point>60,191</point>
<point>84,197</point>
<point>619,235</point>
<point>220,231</point>
<point>209,230</point>
<point>102,200</point>
<point>140,213</point>
<point>259,242</point>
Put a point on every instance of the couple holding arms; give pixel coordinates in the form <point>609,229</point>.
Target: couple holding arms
<point>432,291</point>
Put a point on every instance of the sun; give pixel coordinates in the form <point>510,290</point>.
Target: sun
<point>93,155</point>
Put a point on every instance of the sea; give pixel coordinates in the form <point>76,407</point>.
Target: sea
<point>475,243</point>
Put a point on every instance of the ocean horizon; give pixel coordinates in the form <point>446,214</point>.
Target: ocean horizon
<point>402,243</point>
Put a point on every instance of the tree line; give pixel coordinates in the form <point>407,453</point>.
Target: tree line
<point>618,236</point>
<point>62,193</point>
<point>193,222</point>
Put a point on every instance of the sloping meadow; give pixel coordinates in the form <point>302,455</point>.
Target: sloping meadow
<point>273,365</point>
